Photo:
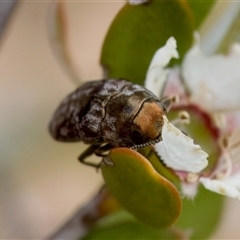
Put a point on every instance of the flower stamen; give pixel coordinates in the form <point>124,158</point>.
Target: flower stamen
<point>168,101</point>
<point>192,177</point>
<point>183,118</point>
<point>225,167</point>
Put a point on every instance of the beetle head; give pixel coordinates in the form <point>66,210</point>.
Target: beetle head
<point>147,124</point>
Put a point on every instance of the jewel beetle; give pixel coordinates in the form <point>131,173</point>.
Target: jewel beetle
<point>107,114</point>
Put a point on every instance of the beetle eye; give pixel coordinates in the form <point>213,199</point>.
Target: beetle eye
<point>149,120</point>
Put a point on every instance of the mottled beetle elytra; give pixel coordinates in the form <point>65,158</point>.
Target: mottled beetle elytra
<point>107,114</point>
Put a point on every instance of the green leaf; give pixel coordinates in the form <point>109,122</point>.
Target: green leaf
<point>140,189</point>
<point>138,31</point>
<point>202,214</point>
<point>122,225</point>
<point>200,10</point>
<point>199,217</point>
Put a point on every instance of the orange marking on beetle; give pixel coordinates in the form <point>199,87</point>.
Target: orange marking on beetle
<point>150,119</point>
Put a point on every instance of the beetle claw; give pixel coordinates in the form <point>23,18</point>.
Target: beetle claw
<point>106,160</point>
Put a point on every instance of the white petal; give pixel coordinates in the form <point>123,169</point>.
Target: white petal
<point>234,180</point>
<point>157,74</point>
<point>174,84</point>
<point>221,186</point>
<point>189,190</point>
<point>214,81</point>
<point>137,2</point>
<point>178,150</point>
<point>232,121</point>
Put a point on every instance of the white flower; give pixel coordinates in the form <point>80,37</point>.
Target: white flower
<point>229,187</point>
<point>226,178</point>
<point>213,81</point>
<point>178,150</point>
<point>157,71</point>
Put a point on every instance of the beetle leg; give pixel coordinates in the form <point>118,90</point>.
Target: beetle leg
<point>98,150</point>
<point>88,152</point>
<point>101,152</point>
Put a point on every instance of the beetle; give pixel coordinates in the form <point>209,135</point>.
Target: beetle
<point>107,114</point>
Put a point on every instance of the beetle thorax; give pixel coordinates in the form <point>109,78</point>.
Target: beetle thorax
<point>149,120</point>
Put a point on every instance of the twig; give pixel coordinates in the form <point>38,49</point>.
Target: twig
<point>85,218</point>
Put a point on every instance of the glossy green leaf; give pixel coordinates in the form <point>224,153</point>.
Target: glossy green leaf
<point>202,214</point>
<point>139,30</point>
<point>122,225</point>
<point>199,218</point>
<point>140,189</point>
<point>200,10</point>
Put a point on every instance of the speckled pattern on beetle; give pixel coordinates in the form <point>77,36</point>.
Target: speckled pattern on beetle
<point>113,112</point>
